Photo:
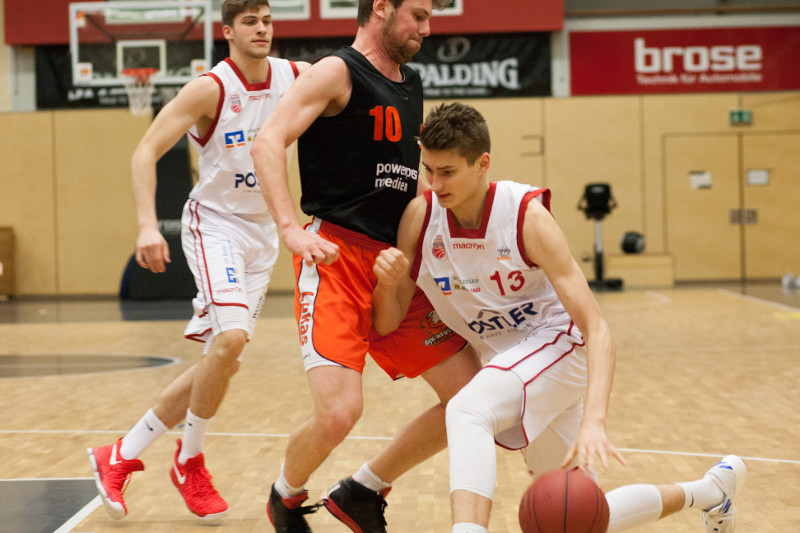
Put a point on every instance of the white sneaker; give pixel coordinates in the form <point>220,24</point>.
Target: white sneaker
<point>729,475</point>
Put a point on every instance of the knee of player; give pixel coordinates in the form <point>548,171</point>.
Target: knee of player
<point>462,409</point>
<point>336,424</point>
<point>230,344</point>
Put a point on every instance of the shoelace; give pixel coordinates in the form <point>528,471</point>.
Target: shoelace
<point>116,481</point>
<point>308,509</point>
<point>200,483</point>
<point>382,504</point>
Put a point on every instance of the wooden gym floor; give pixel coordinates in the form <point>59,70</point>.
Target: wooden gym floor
<point>703,371</point>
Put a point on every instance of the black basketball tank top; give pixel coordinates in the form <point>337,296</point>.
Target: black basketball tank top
<point>359,169</point>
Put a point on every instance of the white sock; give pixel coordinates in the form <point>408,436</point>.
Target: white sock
<point>369,479</point>
<point>142,435</point>
<point>633,505</point>
<point>194,436</point>
<point>283,487</point>
<point>464,527</point>
<point>701,494</point>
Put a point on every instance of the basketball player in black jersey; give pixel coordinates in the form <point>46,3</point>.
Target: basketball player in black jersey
<point>357,114</point>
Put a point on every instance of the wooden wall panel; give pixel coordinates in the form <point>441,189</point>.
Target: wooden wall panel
<point>517,129</point>
<point>96,222</point>
<point>772,111</point>
<point>27,201</point>
<point>65,186</point>
<point>706,246</point>
<point>771,241</point>
<point>594,139</point>
<point>662,115</point>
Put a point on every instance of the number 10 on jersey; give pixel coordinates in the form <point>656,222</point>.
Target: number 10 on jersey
<point>387,123</point>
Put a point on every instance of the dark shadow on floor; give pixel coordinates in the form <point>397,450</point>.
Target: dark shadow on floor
<point>12,366</point>
<point>33,309</point>
<point>42,505</point>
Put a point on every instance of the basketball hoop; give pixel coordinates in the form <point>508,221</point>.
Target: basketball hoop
<point>140,90</point>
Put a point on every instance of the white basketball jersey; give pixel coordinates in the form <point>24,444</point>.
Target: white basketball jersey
<point>228,182</point>
<point>480,280</point>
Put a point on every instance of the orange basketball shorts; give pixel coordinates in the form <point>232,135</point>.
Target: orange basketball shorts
<point>333,307</point>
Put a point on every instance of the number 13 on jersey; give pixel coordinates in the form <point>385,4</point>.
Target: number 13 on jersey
<point>514,280</point>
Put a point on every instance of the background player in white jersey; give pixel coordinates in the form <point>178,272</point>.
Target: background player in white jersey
<point>497,268</point>
<point>229,239</point>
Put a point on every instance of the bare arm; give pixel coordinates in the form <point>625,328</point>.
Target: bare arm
<point>198,99</point>
<point>392,295</point>
<point>323,89</point>
<point>547,247</point>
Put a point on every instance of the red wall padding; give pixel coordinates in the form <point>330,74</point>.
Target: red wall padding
<point>47,22</point>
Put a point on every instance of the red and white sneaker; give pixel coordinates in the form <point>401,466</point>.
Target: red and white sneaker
<point>193,481</point>
<point>112,474</point>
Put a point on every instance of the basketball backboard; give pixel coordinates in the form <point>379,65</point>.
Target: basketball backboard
<point>175,37</point>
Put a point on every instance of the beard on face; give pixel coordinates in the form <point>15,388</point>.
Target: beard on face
<point>399,51</point>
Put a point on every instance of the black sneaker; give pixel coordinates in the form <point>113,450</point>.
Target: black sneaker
<point>287,514</point>
<point>357,507</point>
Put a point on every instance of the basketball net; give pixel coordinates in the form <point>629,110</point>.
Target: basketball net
<point>140,90</point>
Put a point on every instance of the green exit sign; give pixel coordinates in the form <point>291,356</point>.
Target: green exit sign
<point>741,116</point>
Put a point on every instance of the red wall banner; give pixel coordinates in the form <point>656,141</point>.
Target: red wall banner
<point>30,22</point>
<point>685,61</point>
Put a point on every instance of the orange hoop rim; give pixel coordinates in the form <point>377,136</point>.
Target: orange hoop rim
<point>139,74</point>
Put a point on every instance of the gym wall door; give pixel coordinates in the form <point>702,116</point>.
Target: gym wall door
<point>731,205</point>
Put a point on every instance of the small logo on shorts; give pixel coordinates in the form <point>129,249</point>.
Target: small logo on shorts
<point>436,328</point>
<point>233,275</point>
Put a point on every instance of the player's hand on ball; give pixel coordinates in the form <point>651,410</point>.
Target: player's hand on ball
<point>590,447</point>
<point>391,266</point>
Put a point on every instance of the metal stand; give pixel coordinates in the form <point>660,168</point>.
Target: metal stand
<point>597,203</point>
<point>601,283</point>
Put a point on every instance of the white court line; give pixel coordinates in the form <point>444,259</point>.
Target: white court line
<point>714,349</point>
<point>754,299</point>
<point>49,479</point>
<point>695,454</point>
<point>356,437</point>
<point>80,516</point>
<point>118,431</point>
<point>658,296</point>
<point>660,300</point>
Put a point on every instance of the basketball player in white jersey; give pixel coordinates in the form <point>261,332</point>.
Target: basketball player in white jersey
<point>497,269</point>
<point>229,239</point>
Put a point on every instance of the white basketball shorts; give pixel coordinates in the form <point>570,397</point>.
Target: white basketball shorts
<point>231,258</point>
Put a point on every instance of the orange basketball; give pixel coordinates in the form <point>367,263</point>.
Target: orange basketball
<point>563,501</point>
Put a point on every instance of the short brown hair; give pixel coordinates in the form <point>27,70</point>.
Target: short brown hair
<point>365,8</point>
<point>231,8</point>
<point>456,126</point>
